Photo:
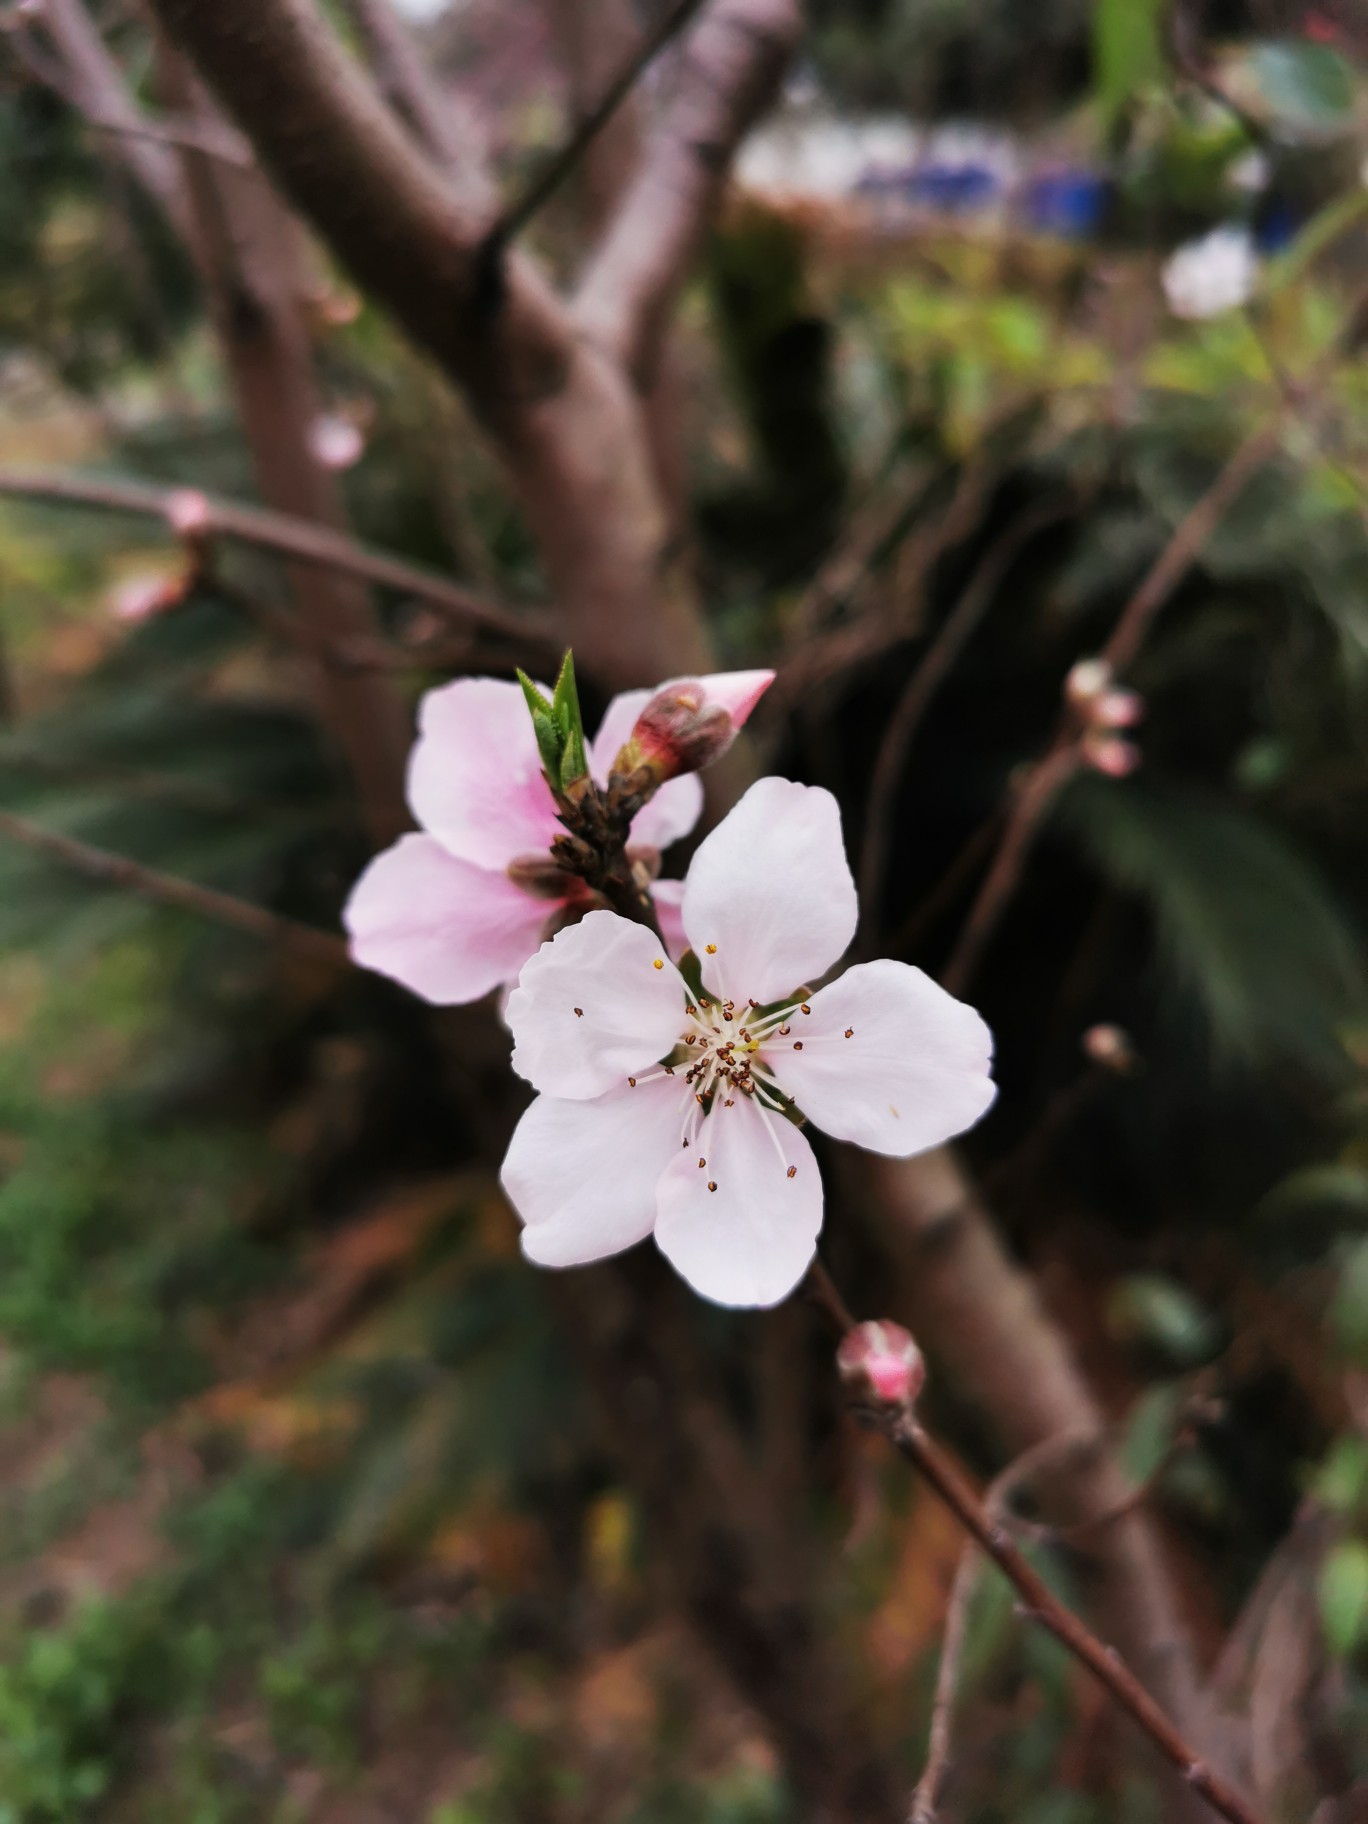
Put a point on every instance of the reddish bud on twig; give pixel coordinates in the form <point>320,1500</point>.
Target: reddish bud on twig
<point>677,732</point>
<point>187,512</point>
<point>1110,1047</point>
<point>1119,708</point>
<point>1111,755</point>
<point>881,1365</point>
<point>1086,683</point>
<point>689,723</point>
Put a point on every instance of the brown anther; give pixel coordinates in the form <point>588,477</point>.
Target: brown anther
<point>579,1013</point>
<point>711,949</point>
<point>703,1001</point>
<point>805,1008</point>
<point>701,1162</point>
<point>631,1082</point>
<point>712,1184</point>
<point>690,1038</point>
<point>684,1141</point>
<point>793,1171</point>
<point>698,1099</point>
<point>726,1015</point>
<point>730,1102</point>
<point>754,1004</point>
<point>669,1070</point>
<point>850,1032</point>
<point>784,1031</point>
<point>797,1044</point>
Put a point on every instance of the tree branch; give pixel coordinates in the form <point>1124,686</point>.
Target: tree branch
<point>730,67</point>
<point>898,1423</point>
<point>930,673</point>
<point>341,157</point>
<point>516,215</point>
<point>170,890</point>
<point>415,91</point>
<point>297,539</point>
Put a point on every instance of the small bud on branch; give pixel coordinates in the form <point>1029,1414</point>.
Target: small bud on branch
<point>881,1365</point>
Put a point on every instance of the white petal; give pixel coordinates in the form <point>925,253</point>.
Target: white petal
<point>444,928</point>
<point>582,1175</point>
<point>678,804</point>
<point>771,888</point>
<point>600,1003</point>
<point>474,778</point>
<point>751,1240</point>
<point>914,1071</point>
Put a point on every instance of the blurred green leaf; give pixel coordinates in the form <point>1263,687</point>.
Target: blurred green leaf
<point>1300,89</point>
<point>1245,923</point>
<point>1147,1308</point>
<point>1127,53</point>
<point>1349,1307</point>
<point>1342,1592</point>
<point>1342,1480</point>
<point>1336,1191</point>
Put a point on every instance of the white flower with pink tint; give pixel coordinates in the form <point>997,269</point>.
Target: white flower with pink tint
<point>667,1112</point>
<point>456,910</point>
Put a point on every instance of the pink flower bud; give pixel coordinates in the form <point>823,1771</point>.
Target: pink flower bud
<point>335,442</point>
<point>1110,1047</point>
<point>690,722</point>
<point>1119,708</point>
<point>1086,683</point>
<point>187,512</point>
<point>881,1365</point>
<point>1111,755</point>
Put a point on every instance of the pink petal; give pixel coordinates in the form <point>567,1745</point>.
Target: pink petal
<point>672,813</point>
<point>771,888</point>
<point>737,692</point>
<point>598,1004</point>
<point>751,1240</point>
<point>582,1175</point>
<point>474,776</point>
<point>914,1071</point>
<point>444,928</point>
<point>668,896</point>
<point>678,803</point>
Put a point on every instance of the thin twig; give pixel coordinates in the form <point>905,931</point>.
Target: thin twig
<point>899,1425</point>
<point>553,173</point>
<point>170,890</point>
<point>947,888</point>
<point>298,539</point>
<point>1062,759</point>
<point>1037,792</point>
<point>227,147</point>
<point>996,1500</point>
<point>935,665</point>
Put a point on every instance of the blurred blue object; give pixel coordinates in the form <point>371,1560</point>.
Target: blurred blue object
<point>1069,202</point>
<point>1276,225</point>
<point>954,189</point>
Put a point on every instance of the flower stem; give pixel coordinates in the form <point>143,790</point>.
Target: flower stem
<point>900,1426</point>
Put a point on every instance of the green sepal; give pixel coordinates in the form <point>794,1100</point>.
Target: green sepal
<point>569,721</point>
<point>550,742</point>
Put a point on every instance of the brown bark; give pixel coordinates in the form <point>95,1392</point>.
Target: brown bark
<point>249,256</point>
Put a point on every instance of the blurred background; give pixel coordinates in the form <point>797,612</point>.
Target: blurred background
<point>316,1502</point>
